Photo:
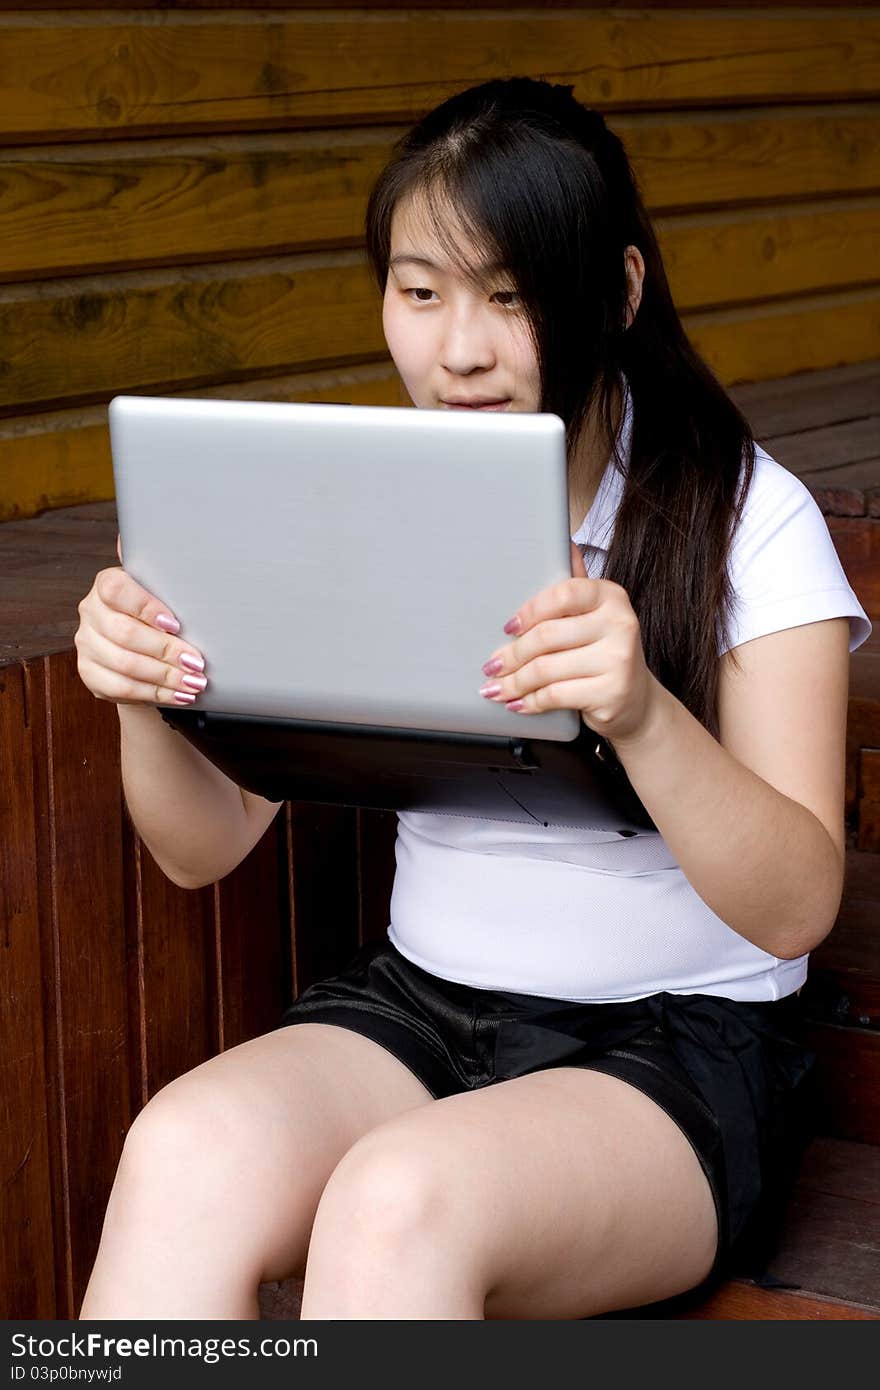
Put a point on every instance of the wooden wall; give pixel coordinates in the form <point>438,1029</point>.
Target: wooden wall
<point>181,198</point>
<point>115,981</point>
<point>182,189</point>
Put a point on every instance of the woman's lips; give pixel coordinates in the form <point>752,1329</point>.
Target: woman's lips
<point>495,405</point>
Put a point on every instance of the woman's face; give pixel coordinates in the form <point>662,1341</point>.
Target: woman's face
<point>452,344</point>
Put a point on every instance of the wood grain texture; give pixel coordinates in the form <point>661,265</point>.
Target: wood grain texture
<point>376,837</point>
<point>88,956</point>
<point>849,1077</point>
<point>869,804</point>
<point>31,1206</point>
<point>742,1301</point>
<point>407,4</point>
<point>149,72</point>
<point>79,340</point>
<point>123,204</point>
<point>857,540</point>
<point>809,400</point>
<point>735,258</point>
<point>62,458</point>
<point>172,975</point>
<point>252,915</point>
<point>325,910</point>
<point>777,340</point>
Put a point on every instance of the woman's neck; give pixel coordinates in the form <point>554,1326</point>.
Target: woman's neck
<point>588,466</point>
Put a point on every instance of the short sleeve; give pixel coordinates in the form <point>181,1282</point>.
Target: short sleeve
<point>784,568</point>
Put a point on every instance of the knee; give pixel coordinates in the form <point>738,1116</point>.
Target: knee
<point>385,1191</point>
<point>184,1132</point>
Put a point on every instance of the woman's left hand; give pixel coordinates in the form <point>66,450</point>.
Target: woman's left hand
<point>578,646</point>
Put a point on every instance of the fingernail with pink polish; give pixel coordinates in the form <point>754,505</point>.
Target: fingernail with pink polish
<point>512,626</point>
<point>183,697</point>
<point>190,662</point>
<point>167,623</point>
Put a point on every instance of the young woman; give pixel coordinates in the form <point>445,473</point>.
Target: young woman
<point>574,1078</point>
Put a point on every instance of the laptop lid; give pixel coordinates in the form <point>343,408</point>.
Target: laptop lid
<point>341,563</point>
<point>345,571</point>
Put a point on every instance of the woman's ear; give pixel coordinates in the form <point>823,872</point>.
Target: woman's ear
<point>635,274</point>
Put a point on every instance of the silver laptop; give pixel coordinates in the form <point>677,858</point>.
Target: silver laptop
<point>345,571</point>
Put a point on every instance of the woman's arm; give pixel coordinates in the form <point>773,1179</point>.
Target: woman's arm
<point>193,819</point>
<point>756,820</point>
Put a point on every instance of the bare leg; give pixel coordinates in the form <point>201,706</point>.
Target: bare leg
<point>222,1171</point>
<point>560,1194</point>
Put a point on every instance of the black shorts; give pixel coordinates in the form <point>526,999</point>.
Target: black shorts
<point>736,1077</point>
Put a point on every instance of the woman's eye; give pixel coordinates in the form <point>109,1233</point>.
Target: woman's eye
<point>509,298</point>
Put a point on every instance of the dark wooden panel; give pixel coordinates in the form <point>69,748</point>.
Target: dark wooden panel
<point>172,974</point>
<point>742,1301</point>
<point>869,805</point>
<point>30,1204</point>
<point>62,458</point>
<point>82,767</point>
<point>323,864</point>
<point>408,4</point>
<point>83,208</point>
<point>252,912</point>
<point>94,337</point>
<point>184,70</point>
<point>849,1073</point>
<point>376,836</point>
<point>858,544</point>
<point>862,718</point>
<point>845,968</point>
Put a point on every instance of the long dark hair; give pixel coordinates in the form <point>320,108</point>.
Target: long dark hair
<point>541,184</point>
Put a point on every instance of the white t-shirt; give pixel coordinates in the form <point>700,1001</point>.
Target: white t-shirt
<point>593,916</point>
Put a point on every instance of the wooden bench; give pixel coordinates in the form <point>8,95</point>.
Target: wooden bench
<point>824,426</point>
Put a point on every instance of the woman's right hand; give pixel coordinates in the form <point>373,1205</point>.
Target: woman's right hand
<point>124,654</point>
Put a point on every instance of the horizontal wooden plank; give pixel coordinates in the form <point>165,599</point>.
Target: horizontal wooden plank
<point>79,208</point>
<point>84,207</point>
<point>95,336</point>
<point>148,72</point>
<point>81,339</point>
<point>62,458</point>
<point>407,4</point>
<point>738,1300</point>
<point>814,451</point>
<point>802,335</point>
<point>810,399</point>
<point>769,154</point>
<point>739,257</point>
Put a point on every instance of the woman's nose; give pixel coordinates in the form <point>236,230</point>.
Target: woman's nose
<point>466,346</point>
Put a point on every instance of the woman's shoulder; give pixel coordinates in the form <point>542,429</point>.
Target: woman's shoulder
<point>779,511</point>
<point>784,565</point>
<point>772,483</point>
